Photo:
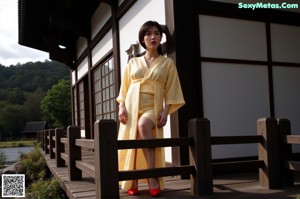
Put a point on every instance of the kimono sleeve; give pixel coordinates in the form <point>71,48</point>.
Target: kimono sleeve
<point>124,84</point>
<point>173,92</point>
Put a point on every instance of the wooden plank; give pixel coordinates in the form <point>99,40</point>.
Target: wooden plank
<point>287,175</point>
<point>106,159</point>
<point>86,167</point>
<point>87,143</point>
<point>237,166</point>
<point>64,140</point>
<point>292,139</point>
<point>157,172</point>
<point>74,152</point>
<point>217,140</point>
<point>150,143</point>
<point>59,133</point>
<point>64,156</point>
<point>200,156</point>
<point>293,165</point>
<point>268,151</point>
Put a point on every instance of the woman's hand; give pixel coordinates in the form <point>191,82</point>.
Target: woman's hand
<point>122,113</point>
<point>163,117</point>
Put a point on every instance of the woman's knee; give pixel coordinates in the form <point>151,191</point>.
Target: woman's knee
<point>145,127</point>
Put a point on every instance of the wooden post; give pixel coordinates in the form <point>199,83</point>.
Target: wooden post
<point>286,153</point>
<point>60,147</point>
<point>200,156</point>
<point>51,144</point>
<point>106,159</point>
<point>74,152</point>
<point>42,140</point>
<point>46,141</point>
<point>268,151</point>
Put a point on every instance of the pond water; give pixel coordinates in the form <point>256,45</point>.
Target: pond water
<point>13,154</point>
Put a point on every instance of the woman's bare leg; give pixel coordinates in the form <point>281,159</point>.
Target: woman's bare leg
<point>145,126</point>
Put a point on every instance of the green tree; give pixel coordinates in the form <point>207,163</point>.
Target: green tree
<point>12,119</point>
<point>57,103</point>
<point>32,105</point>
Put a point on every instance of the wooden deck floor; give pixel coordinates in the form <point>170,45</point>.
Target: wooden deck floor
<point>239,186</point>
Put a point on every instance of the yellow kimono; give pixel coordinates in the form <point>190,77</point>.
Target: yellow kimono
<point>161,79</point>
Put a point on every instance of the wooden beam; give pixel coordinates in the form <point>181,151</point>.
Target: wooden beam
<point>80,26</point>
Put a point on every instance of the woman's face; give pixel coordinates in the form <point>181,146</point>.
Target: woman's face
<point>152,38</point>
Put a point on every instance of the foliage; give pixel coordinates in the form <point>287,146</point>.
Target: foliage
<point>39,184</point>
<point>22,87</point>
<point>33,166</point>
<point>2,160</point>
<point>57,103</point>
<point>46,189</point>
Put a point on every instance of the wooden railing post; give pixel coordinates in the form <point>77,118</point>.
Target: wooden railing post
<point>286,153</point>
<point>46,141</point>
<point>43,140</point>
<point>268,151</point>
<point>74,152</point>
<point>106,159</point>
<point>200,156</point>
<point>60,147</point>
<point>51,144</point>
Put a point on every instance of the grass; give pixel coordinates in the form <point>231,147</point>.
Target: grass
<point>17,143</point>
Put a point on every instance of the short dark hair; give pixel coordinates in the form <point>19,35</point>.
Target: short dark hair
<point>145,27</point>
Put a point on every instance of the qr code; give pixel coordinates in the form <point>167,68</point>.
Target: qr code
<point>13,185</point>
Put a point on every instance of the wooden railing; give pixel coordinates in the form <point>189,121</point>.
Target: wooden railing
<point>274,152</point>
<point>67,151</point>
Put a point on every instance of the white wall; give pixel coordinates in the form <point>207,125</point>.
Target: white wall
<point>234,95</point>
<point>102,48</point>
<point>232,38</point>
<point>103,13</point>
<point>286,48</point>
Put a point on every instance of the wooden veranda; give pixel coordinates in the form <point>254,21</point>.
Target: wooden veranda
<point>87,168</point>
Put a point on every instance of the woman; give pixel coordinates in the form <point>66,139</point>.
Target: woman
<point>150,90</point>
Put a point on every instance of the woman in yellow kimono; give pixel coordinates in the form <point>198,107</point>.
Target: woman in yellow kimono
<point>150,90</point>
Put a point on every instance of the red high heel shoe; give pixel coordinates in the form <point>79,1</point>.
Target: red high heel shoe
<point>154,192</point>
<point>133,191</point>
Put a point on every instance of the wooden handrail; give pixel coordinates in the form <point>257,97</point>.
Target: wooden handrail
<point>238,166</point>
<point>64,140</point>
<point>291,139</point>
<point>293,165</point>
<point>150,143</point>
<point>247,139</point>
<point>86,143</point>
<point>86,167</point>
<point>156,172</point>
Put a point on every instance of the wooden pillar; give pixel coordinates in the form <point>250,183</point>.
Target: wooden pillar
<point>42,140</point>
<point>51,144</point>
<point>200,156</point>
<point>106,159</point>
<point>60,147</point>
<point>286,153</point>
<point>74,152</point>
<point>46,141</point>
<point>268,151</point>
